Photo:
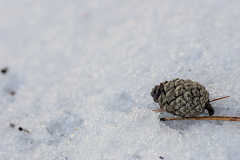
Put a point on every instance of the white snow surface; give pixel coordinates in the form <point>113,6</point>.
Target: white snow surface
<point>83,71</point>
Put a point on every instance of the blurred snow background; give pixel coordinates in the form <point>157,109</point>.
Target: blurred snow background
<point>82,73</point>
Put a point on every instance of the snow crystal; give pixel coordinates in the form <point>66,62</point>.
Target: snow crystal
<point>80,75</point>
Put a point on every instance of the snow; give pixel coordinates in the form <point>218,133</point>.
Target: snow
<point>82,73</point>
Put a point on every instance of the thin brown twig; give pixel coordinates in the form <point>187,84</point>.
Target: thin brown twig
<point>159,110</point>
<point>219,98</point>
<point>218,118</point>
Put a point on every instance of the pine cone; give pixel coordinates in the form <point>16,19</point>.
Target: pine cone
<point>184,98</point>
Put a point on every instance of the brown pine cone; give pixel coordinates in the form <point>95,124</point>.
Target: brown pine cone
<point>184,98</point>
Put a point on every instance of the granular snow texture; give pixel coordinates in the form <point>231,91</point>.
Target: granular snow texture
<point>80,75</point>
